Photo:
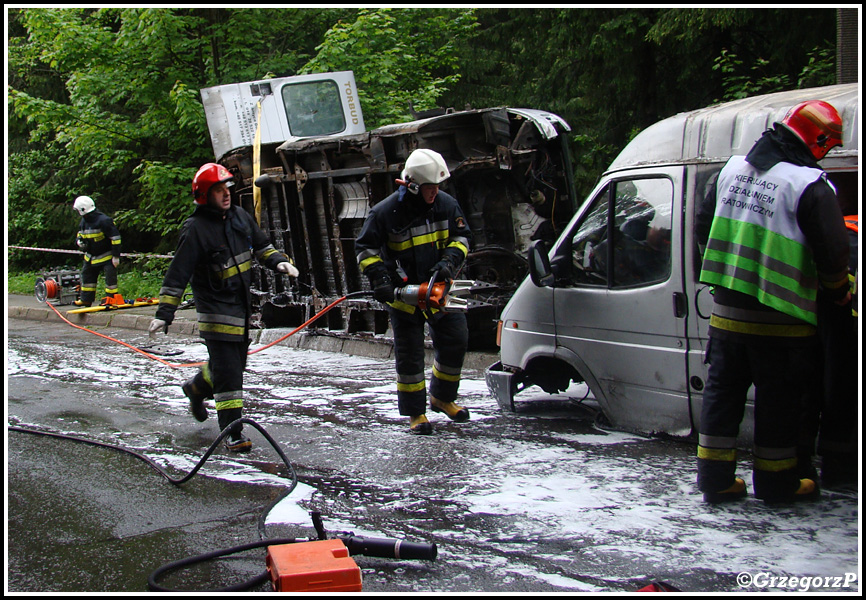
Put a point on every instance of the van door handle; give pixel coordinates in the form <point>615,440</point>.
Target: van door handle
<point>681,307</point>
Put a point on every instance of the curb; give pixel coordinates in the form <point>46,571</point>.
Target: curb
<point>381,348</point>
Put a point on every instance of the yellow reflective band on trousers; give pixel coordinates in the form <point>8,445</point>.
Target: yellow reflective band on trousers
<point>227,404</point>
<point>804,330</point>
<point>774,459</point>
<point>766,464</point>
<point>411,387</point>
<point>722,454</point>
<point>438,373</point>
<point>220,328</point>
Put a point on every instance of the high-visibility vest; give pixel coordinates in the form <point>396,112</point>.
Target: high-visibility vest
<point>756,245</point>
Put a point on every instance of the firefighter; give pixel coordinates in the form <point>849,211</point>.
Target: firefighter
<point>415,234</point>
<point>215,252</point>
<point>100,241</point>
<point>772,234</point>
<point>837,329</point>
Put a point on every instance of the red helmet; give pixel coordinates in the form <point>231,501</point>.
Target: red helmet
<point>818,124</point>
<point>208,176</point>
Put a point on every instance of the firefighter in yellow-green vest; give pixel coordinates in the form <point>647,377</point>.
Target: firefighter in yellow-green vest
<point>215,253</point>
<point>772,235</point>
<point>99,239</point>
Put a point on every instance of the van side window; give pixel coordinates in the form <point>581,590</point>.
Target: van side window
<point>636,215</point>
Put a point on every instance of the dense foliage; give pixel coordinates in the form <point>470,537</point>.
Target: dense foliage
<point>105,102</point>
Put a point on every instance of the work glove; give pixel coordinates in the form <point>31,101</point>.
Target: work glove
<point>115,261</point>
<point>155,326</point>
<point>383,290</point>
<point>288,268</point>
<point>444,268</point>
<point>81,243</point>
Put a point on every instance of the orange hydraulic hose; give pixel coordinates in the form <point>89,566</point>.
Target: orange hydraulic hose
<point>197,364</point>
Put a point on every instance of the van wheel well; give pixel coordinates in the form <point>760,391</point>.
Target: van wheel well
<point>551,375</point>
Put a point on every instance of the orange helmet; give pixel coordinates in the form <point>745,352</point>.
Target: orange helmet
<point>818,124</point>
<point>208,176</point>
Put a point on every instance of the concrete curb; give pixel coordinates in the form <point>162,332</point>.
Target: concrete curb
<point>379,347</point>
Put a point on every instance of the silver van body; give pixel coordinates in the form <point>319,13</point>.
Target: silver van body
<point>636,333</point>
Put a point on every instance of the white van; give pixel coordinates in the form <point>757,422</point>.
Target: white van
<point>635,331</point>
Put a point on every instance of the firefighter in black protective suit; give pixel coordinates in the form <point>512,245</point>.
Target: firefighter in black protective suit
<point>215,252</point>
<point>100,240</point>
<point>415,234</point>
<point>773,235</point>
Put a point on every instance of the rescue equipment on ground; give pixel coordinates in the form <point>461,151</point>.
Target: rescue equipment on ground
<point>292,564</point>
<point>326,565</point>
<point>60,287</point>
<point>442,295</point>
<point>116,302</point>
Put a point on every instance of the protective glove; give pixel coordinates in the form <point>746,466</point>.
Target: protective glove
<point>288,268</point>
<point>115,261</point>
<point>383,291</point>
<point>155,326</point>
<point>81,243</point>
<point>443,267</point>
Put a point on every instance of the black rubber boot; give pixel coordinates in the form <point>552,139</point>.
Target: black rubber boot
<point>197,390</point>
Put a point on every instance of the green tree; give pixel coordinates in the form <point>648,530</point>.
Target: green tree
<point>105,102</point>
<point>398,57</point>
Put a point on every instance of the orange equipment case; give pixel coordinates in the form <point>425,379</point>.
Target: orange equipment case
<point>319,566</point>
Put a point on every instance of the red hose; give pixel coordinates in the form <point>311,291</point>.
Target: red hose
<point>198,364</point>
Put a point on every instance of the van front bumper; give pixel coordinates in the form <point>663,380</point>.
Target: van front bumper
<point>502,384</point>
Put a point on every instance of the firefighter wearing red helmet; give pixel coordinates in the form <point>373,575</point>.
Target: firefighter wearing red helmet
<point>772,235</point>
<point>817,124</point>
<point>217,246</point>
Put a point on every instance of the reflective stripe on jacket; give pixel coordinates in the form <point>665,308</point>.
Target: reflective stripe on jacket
<point>215,256</point>
<point>756,245</point>
<point>100,236</point>
<point>405,239</point>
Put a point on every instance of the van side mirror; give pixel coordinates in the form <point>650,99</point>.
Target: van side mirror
<point>539,265</point>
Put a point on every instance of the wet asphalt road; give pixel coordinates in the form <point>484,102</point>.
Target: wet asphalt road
<point>538,501</point>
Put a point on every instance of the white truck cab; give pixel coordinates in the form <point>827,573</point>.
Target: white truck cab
<point>321,104</point>
<point>631,319</point>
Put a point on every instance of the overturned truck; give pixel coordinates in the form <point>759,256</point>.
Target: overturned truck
<point>309,172</point>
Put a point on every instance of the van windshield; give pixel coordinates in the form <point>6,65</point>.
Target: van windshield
<point>314,108</point>
<point>637,215</point>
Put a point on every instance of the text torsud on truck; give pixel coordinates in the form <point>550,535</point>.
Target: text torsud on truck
<point>636,331</point>
<point>309,171</point>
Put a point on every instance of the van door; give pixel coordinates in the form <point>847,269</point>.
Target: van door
<point>620,311</point>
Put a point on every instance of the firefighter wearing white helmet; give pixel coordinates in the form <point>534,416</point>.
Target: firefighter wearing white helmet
<point>99,239</point>
<point>415,234</point>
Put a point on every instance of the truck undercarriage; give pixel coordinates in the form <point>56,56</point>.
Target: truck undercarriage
<point>510,171</point>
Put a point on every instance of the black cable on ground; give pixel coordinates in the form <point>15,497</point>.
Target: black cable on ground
<point>152,584</point>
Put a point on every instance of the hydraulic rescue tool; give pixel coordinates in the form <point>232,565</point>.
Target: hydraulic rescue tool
<point>449,295</point>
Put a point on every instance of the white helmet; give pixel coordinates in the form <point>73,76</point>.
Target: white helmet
<point>84,205</point>
<point>425,166</point>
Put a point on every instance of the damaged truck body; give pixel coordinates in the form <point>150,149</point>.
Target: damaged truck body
<point>309,172</point>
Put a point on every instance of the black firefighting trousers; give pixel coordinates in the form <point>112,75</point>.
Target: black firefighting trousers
<point>222,379</point>
<point>450,336</point>
<point>90,277</point>
<point>780,374</point>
